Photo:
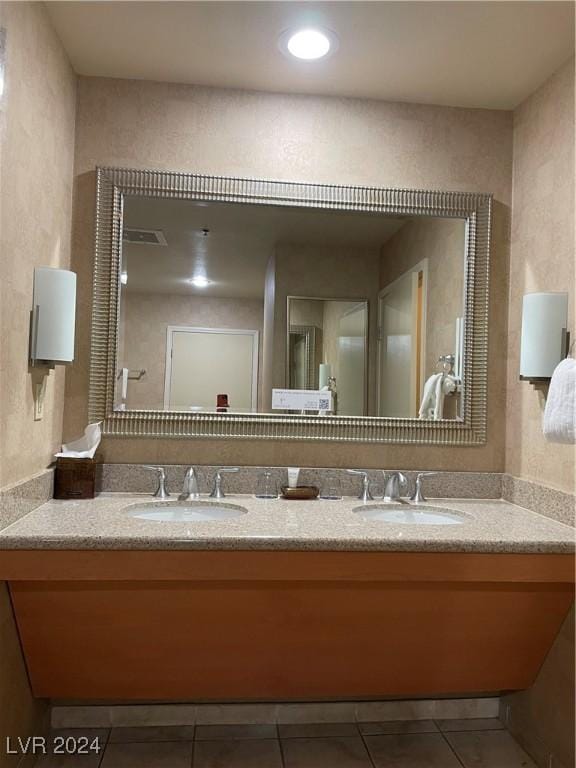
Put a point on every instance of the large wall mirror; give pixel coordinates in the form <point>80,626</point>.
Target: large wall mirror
<point>243,308</point>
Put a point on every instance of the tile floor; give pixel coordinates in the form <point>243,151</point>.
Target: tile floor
<point>479,743</point>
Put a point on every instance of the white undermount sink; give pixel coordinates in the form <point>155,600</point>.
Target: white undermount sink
<point>185,511</point>
<point>406,514</point>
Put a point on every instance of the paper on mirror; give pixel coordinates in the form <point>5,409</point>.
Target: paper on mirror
<point>84,447</point>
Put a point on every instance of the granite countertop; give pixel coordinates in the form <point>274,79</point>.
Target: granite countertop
<point>105,523</point>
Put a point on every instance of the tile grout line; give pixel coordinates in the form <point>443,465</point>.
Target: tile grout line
<point>366,747</point>
<point>280,747</point>
<point>193,750</point>
<point>456,755</point>
<point>106,742</point>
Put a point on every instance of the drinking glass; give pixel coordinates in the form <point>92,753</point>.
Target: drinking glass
<point>331,489</point>
<point>266,486</point>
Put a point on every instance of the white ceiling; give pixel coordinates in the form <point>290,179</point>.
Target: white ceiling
<point>241,240</point>
<point>472,54</point>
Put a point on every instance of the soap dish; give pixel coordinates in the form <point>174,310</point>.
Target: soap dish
<point>301,492</point>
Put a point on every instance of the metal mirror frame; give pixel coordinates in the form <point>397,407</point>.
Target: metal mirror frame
<point>115,183</point>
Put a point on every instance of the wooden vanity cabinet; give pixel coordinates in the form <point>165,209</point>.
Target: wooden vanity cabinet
<point>255,625</point>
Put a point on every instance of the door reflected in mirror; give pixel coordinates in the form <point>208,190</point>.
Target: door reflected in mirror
<point>222,303</point>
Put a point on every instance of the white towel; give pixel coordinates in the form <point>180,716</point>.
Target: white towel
<point>560,413</point>
<point>122,386</point>
<point>435,389</point>
<point>429,397</point>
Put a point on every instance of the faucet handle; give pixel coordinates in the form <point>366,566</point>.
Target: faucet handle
<point>217,492</point>
<point>402,479</point>
<point>418,497</point>
<point>365,494</point>
<point>161,491</point>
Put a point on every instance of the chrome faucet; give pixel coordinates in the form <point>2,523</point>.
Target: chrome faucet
<point>365,494</point>
<point>217,492</point>
<point>190,486</point>
<point>396,483</point>
<point>418,497</point>
<point>161,492</point>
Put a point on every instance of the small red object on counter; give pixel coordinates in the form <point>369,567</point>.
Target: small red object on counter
<point>221,403</point>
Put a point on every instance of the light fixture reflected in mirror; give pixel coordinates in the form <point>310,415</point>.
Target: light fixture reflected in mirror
<point>308,44</point>
<point>199,281</point>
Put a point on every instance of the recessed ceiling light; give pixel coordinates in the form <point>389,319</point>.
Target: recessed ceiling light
<point>200,281</point>
<point>308,44</point>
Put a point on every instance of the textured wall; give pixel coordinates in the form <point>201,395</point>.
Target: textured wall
<point>36,147</point>
<point>307,312</point>
<point>37,112</point>
<point>301,138</point>
<point>541,259</point>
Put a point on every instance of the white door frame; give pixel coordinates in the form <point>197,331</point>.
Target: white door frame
<point>228,331</point>
<point>421,266</point>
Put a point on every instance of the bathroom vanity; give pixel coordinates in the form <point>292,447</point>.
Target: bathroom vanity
<point>286,600</point>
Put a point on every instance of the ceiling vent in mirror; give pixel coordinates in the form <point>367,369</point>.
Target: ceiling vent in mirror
<point>144,236</point>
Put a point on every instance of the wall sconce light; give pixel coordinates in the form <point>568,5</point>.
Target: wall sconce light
<point>545,338</point>
<point>53,317</point>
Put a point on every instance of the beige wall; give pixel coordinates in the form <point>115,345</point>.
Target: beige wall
<point>37,112</point>
<point>301,138</point>
<point>146,317</point>
<point>541,259</point>
<point>36,149</point>
<point>306,312</point>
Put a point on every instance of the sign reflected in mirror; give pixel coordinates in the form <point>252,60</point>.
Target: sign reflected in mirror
<point>221,304</point>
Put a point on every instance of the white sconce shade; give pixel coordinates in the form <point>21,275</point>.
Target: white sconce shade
<point>53,316</point>
<point>543,343</point>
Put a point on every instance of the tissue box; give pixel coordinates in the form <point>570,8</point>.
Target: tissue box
<point>75,478</point>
